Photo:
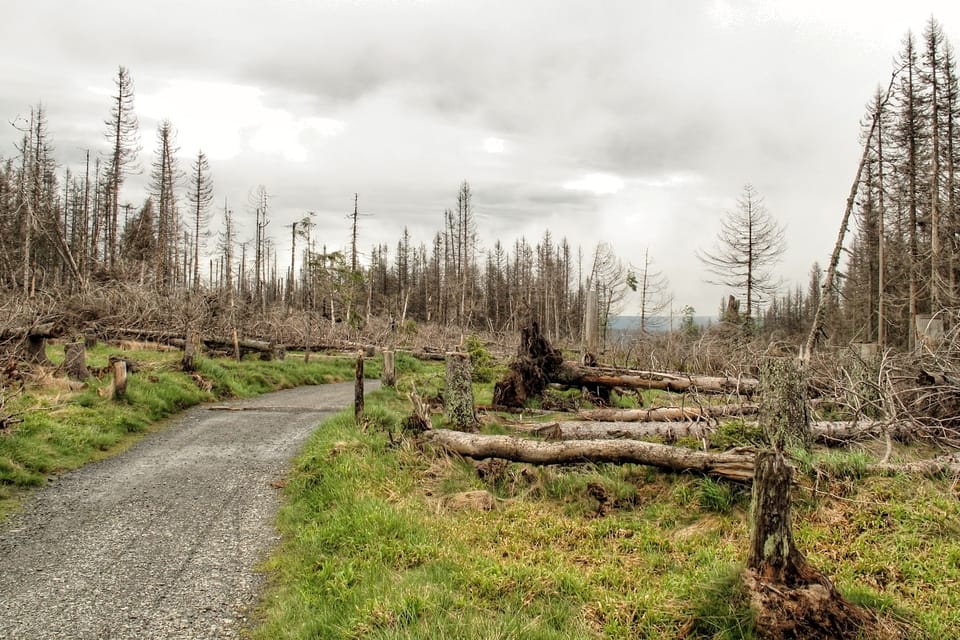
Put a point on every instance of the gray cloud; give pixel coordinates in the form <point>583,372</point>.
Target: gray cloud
<point>683,101</point>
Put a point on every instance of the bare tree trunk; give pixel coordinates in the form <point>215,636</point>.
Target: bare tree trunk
<point>389,377</point>
<point>358,390</point>
<point>784,413</point>
<point>75,361</point>
<point>119,367</point>
<point>732,465</point>
<point>666,414</point>
<point>817,329</point>
<point>458,394</point>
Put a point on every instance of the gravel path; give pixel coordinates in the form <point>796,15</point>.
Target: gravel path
<point>162,540</point>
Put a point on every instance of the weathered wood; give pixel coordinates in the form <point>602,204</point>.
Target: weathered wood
<point>591,330</point>
<point>388,376</point>
<point>830,433</point>
<point>75,361</point>
<point>189,352</point>
<point>732,465</point>
<point>784,412</point>
<point>590,430</point>
<point>948,465</point>
<point>789,597</point>
<point>772,552</point>
<point>669,414</point>
<point>458,393</point>
<point>235,343</point>
<point>358,390</point>
<point>575,375</point>
<point>42,330</point>
<point>119,367</point>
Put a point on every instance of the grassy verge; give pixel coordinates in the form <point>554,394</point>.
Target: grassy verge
<point>382,539</point>
<point>63,429</point>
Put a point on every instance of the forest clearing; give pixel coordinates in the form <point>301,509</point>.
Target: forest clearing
<point>562,446</point>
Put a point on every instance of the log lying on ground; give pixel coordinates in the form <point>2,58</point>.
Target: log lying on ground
<point>669,414</point>
<point>944,465</point>
<point>210,342</point>
<point>574,375</point>
<point>732,465</point>
<point>823,432</point>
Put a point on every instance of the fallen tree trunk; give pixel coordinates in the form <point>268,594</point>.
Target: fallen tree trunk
<point>823,432</point>
<point>574,375</point>
<point>669,414</point>
<point>210,342</point>
<point>731,465</point>
<point>43,330</point>
<point>944,465</point>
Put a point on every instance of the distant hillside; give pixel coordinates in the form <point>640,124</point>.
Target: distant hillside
<point>656,323</point>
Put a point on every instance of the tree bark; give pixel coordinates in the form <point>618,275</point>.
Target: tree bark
<point>358,390</point>
<point>731,465</point>
<point>189,352</point>
<point>830,433</point>
<point>75,361</point>
<point>574,375</point>
<point>668,414</point>
<point>119,367</point>
<point>784,413</point>
<point>458,394</point>
<point>389,375</point>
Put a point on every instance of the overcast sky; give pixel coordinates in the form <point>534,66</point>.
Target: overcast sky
<point>634,122</point>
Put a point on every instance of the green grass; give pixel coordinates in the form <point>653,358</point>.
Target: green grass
<point>62,429</point>
<point>376,546</point>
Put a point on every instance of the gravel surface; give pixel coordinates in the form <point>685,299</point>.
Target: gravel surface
<point>162,540</point>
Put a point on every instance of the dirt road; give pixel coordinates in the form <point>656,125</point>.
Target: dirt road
<point>162,540</point>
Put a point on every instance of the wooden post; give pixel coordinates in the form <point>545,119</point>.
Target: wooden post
<point>236,345</point>
<point>358,390</point>
<point>458,395</point>
<point>389,376</point>
<point>591,329</point>
<point>189,351</point>
<point>75,361</point>
<point>119,366</point>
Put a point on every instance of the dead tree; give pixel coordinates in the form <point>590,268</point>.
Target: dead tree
<point>389,375</point>
<point>458,393</point>
<point>789,597</point>
<point>734,465</point>
<point>75,361</point>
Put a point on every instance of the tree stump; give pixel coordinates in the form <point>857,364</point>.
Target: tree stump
<point>788,596</point>
<point>189,352</point>
<point>358,390</point>
<point>389,375</point>
<point>784,413</point>
<point>236,345</point>
<point>119,367</point>
<point>35,350</point>
<point>75,361</point>
<point>458,394</point>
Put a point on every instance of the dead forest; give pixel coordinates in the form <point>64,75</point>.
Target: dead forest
<point>866,354</point>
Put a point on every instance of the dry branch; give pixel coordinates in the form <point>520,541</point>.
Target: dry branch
<point>734,465</point>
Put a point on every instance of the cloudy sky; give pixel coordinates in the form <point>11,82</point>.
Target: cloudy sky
<point>632,122</point>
